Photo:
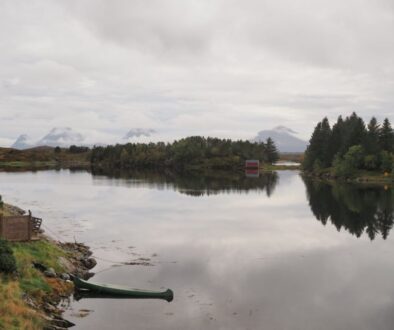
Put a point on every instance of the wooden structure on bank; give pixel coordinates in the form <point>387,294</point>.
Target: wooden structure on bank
<point>19,227</point>
<point>252,164</point>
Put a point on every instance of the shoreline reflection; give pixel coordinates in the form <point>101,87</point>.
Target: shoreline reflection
<point>358,209</point>
<point>193,183</point>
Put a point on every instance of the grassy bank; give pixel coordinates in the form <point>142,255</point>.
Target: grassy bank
<point>41,165</point>
<point>23,295</point>
<point>14,312</point>
<point>269,167</point>
<point>26,164</point>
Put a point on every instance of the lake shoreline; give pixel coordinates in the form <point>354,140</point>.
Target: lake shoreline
<point>370,178</point>
<point>31,297</point>
<point>37,165</point>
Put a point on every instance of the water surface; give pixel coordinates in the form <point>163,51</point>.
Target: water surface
<point>239,252</point>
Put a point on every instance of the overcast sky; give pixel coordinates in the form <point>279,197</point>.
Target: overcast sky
<point>226,68</point>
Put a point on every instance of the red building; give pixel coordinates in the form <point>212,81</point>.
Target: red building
<point>252,164</point>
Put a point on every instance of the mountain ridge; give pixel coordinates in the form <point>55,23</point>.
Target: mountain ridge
<point>284,138</point>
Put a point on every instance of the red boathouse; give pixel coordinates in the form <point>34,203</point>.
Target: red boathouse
<point>252,164</point>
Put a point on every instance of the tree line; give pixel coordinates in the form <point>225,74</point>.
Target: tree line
<point>189,153</point>
<point>351,145</point>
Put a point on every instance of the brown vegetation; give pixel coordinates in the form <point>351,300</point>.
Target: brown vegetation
<point>41,156</point>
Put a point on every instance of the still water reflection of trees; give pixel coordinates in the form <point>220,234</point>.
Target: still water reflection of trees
<point>357,209</point>
<point>196,183</point>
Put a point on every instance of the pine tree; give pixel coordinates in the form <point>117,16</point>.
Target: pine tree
<point>325,155</point>
<point>353,133</point>
<point>318,152</point>
<point>371,141</point>
<point>386,136</point>
<point>312,151</point>
<point>271,151</point>
<point>371,145</point>
<point>336,139</point>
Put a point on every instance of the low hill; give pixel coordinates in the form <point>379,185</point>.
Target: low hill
<point>14,157</point>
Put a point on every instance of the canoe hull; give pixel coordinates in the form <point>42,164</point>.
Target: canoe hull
<point>114,291</point>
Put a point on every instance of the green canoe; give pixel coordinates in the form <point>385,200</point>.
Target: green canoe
<point>121,292</point>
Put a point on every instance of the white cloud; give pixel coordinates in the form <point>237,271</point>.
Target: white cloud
<point>225,68</point>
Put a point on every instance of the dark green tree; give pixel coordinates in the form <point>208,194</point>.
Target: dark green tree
<point>386,136</point>
<point>271,152</point>
<point>353,132</point>
<point>325,153</point>
<point>371,140</point>
<point>336,139</point>
<point>312,151</point>
<point>318,153</point>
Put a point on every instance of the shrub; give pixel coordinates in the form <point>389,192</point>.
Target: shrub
<point>7,259</point>
<point>5,247</point>
<point>387,161</point>
<point>1,202</point>
<point>7,263</point>
<point>371,162</point>
<point>317,166</point>
<point>343,167</point>
<point>77,150</point>
<point>355,156</point>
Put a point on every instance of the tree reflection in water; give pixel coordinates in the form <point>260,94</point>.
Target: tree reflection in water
<point>358,209</point>
<point>195,183</point>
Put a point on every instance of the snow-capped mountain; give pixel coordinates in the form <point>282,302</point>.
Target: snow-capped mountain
<point>62,137</point>
<point>58,136</point>
<point>65,137</point>
<point>138,132</point>
<point>284,138</point>
<point>23,142</point>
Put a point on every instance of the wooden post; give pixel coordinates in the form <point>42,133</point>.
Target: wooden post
<point>30,226</point>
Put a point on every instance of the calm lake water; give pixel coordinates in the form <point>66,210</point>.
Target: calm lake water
<point>268,252</point>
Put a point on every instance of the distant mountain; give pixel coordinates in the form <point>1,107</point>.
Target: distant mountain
<point>138,132</point>
<point>62,137</point>
<point>22,142</point>
<point>284,139</point>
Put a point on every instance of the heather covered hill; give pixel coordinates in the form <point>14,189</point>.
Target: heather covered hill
<point>47,155</point>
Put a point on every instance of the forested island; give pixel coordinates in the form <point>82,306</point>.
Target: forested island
<point>191,153</point>
<point>194,152</point>
<point>350,149</point>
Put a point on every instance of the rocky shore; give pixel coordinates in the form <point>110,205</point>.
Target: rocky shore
<point>77,262</point>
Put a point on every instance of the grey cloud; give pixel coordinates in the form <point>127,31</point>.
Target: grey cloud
<point>138,132</point>
<point>345,34</point>
<point>149,25</point>
<point>221,67</point>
